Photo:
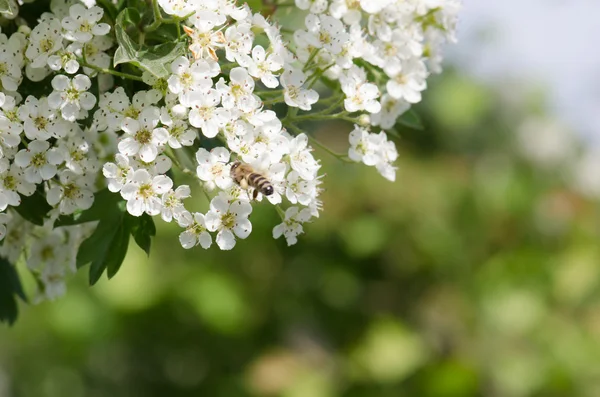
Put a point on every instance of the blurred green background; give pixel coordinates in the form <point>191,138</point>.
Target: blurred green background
<point>475,274</point>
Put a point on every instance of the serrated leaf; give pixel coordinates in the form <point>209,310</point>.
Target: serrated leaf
<point>34,208</point>
<point>7,7</point>
<point>142,230</point>
<point>153,59</point>
<point>105,202</point>
<point>10,287</point>
<point>412,120</point>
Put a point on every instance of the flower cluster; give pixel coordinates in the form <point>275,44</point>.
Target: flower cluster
<point>235,88</point>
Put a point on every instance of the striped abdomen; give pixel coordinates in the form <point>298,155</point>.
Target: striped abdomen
<point>260,183</point>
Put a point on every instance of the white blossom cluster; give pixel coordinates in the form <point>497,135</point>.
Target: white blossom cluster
<point>224,100</point>
<point>397,42</point>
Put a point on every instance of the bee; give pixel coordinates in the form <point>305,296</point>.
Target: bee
<point>245,176</point>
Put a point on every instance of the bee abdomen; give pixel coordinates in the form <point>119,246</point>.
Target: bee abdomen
<point>260,183</point>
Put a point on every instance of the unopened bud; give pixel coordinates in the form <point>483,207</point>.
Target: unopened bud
<point>364,120</point>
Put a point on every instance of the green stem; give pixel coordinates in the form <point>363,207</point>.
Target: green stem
<point>110,71</point>
<point>280,211</point>
<point>312,56</point>
<point>313,140</point>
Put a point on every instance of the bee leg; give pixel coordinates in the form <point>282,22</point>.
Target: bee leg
<point>244,183</point>
<point>254,194</point>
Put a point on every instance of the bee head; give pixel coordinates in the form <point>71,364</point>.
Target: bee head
<point>268,190</point>
<point>235,165</point>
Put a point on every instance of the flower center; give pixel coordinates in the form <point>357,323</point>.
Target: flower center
<point>40,122</point>
<point>146,191</point>
<point>228,220</point>
<point>9,182</point>
<point>131,112</point>
<point>70,190</point>
<point>293,91</point>
<point>47,253</point>
<point>85,27</point>
<point>143,136</point>
<point>72,94</point>
<point>46,45</point>
<point>38,160</point>
<point>324,37</point>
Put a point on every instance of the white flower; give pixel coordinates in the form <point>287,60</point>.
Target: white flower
<point>187,78</point>
<point>47,250</point>
<point>195,231</point>
<point>262,66</point>
<point>391,109</point>
<point>409,83</point>
<point>78,155</point>
<point>314,6</point>
<point>142,136</point>
<point>205,114</point>
<point>39,161</point>
<point>53,277</point>
<point>205,40</point>
<point>361,97</point>
<point>213,168</point>
<point>12,182</point>
<point>70,96</point>
<point>373,150</point>
<point>294,95</point>
<point>180,8</point>
<point>180,132</point>
<point>172,207</point>
<point>71,193</point>
<point>11,62</point>
<point>142,193</point>
<point>4,219</point>
<point>39,120</point>
<point>230,220</point>
<point>326,32</point>
<point>240,87</point>
<point>118,174</point>
<point>94,54</point>
<point>82,23</point>
<point>238,42</point>
<point>45,40</point>
<point>299,190</point>
<point>300,158</point>
<point>291,227</point>
<point>18,232</point>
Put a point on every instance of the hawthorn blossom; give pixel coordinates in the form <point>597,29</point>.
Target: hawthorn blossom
<point>70,96</point>
<point>213,168</point>
<point>291,227</point>
<point>172,206</point>
<point>195,231</point>
<point>72,192</point>
<point>82,23</point>
<point>142,137</point>
<point>39,161</point>
<point>295,95</point>
<point>142,192</point>
<point>229,220</point>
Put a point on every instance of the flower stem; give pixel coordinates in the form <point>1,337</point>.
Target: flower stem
<point>110,71</point>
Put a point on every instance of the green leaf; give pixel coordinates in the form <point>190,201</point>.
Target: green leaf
<point>10,287</point>
<point>34,208</point>
<point>107,246</point>
<point>142,230</point>
<point>118,249</point>
<point>6,7</point>
<point>153,59</point>
<point>412,120</point>
<point>105,202</point>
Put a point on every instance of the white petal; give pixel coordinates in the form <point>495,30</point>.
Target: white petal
<point>225,240</point>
